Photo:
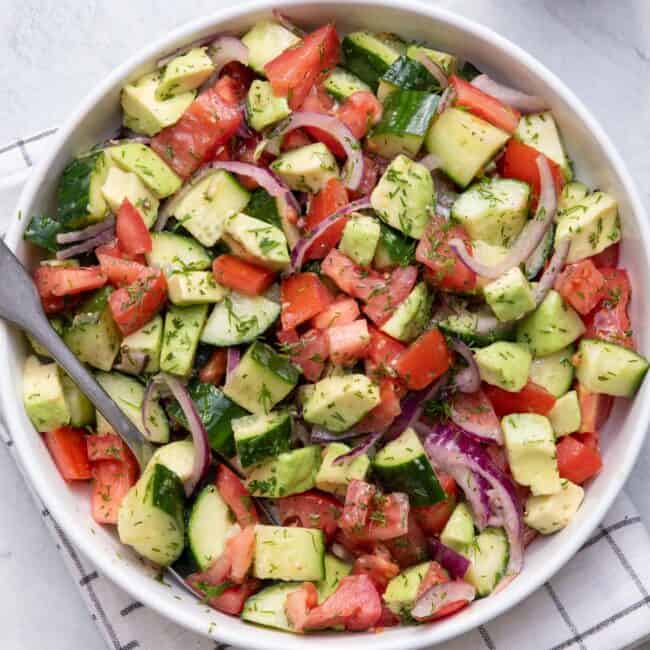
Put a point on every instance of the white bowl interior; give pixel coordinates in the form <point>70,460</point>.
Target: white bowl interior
<point>597,164</point>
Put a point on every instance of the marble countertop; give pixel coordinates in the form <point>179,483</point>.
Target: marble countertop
<point>53,53</point>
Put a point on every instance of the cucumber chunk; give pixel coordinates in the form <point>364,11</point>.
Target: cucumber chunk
<point>82,412</point>
<point>406,74</point>
<point>43,395</point>
<point>265,41</point>
<point>336,478</point>
<point>476,328</point>
<point>174,253</point>
<point>565,416</point>
<point>291,472</point>
<point>402,590</point>
<point>554,372</point>
<point>120,185</point>
<point>510,296</point>
<point>550,513</point>
<point>266,607</point>
<point>335,570</point>
<point>195,288</point>
<point>184,73</point>
<point>504,364</point>
<point>368,56</point>
<point>258,437</point>
<point>306,169</point>
<point>488,555</point>
<point>360,238</point>
<point>183,327</point>
<point>411,316</point>
<point>263,108</point>
<point>458,532</point>
<point>341,84</point>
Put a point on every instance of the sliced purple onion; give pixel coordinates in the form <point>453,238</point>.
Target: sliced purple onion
<point>287,24</point>
<point>530,236</point>
<point>455,563</point>
<point>430,161</point>
<point>233,357</point>
<point>468,379</point>
<point>87,246</point>
<point>486,428</point>
<point>433,68</point>
<point>359,449</point>
<point>336,128</point>
<point>133,362</point>
<point>450,449</point>
<point>510,96</point>
<point>87,232</point>
<point>225,49</point>
<point>447,99</point>
<point>554,268</point>
<point>320,435</point>
<point>304,243</point>
<point>440,595</point>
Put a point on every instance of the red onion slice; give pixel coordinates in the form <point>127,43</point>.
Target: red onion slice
<point>87,232</point>
<point>530,236</point>
<point>474,414</point>
<point>440,595</point>
<point>455,563</point>
<point>510,96</point>
<point>447,99</point>
<point>87,246</point>
<point>133,362</point>
<point>287,24</point>
<point>225,49</point>
<point>336,128</point>
<point>433,68</point>
<point>430,161</point>
<point>320,435</point>
<point>359,449</point>
<point>232,359</point>
<point>549,276</point>
<point>468,379</point>
<point>303,244</point>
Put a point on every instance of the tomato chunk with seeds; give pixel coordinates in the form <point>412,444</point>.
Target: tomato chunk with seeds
<point>351,278</point>
<point>303,296</point>
<point>348,342</point>
<point>582,285</point>
<point>133,236</point>
<point>214,370</point>
<point>236,495</point>
<point>325,203</point>
<point>378,568</point>
<point>112,479</point>
<point>382,416</point>
<point>381,304</point>
<point>234,273</point>
<point>68,448</point>
<point>120,272</point>
<point>577,461</point>
<point>426,359</point>
<point>312,509</point>
<point>341,312</point>
<point>530,399</point>
<point>308,352</point>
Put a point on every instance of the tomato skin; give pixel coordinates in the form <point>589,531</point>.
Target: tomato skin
<point>59,281</point>
<point>484,106</point>
<point>426,359</point>
<point>308,352</point>
<point>241,74</point>
<point>106,446</point>
<point>382,303</point>
<point>113,250</point>
<point>444,269</point>
<point>120,272</point>
<point>299,603</point>
<point>237,497</point>
<point>241,548</point>
<point>432,519</point>
<point>293,72</point>
<point>311,509</point>
<point>530,399</point>
<point>68,448</point>
<point>582,285</point>
<point>232,272</point>
<point>356,509</point>
<point>411,548</point>
<point>437,575</point>
<point>112,479</point>
<point>325,202</point>
<point>134,306</point>
<point>379,569</point>
<point>576,460</point>
<point>359,112</point>
<point>340,312</point>
<point>133,236</point>
<point>303,296</point>
<point>351,278</point>
<point>214,370</point>
<point>594,409</point>
<point>349,342</point>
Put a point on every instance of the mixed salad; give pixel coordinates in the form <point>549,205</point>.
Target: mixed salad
<point>351,290</point>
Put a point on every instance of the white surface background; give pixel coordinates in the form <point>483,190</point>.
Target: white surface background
<point>54,51</point>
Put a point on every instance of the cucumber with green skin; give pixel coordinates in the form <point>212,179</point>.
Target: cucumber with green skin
<point>259,437</point>
<point>393,249</point>
<point>477,328</point>
<point>406,74</point>
<point>368,56</point>
<point>341,84</point>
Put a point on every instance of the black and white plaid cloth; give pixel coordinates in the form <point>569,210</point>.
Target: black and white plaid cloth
<point>599,601</point>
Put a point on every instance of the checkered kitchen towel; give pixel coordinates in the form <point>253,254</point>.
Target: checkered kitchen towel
<point>599,601</point>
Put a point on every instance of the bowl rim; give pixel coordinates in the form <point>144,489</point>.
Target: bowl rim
<point>263,638</point>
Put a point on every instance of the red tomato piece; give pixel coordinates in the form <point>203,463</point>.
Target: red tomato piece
<point>382,303</point>
<point>350,278</point>
<point>424,360</point>
<point>59,281</point>
<point>120,272</point>
<point>214,370</point>
<point>411,548</point>
<point>356,605</point>
<point>388,618</point>
<point>530,399</point>
<point>134,306</point>
<point>241,74</point>
<point>388,517</point>
<point>247,278</point>
<point>299,603</point>
<point>341,312</point>
<point>209,122</point>
<point>294,140</point>
<point>112,479</point>
<point>237,497</point>
<point>381,353</point>
<point>582,285</point>
<point>358,500</point>
<point>577,461</point>
<point>308,352</point>
<point>312,509</point>
<point>347,343</point>
<point>594,409</point>
<point>68,448</point>
<point>133,236</point>
<point>293,72</point>
<point>378,568</point>
<point>240,548</point>
<point>302,296</point>
<point>230,599</point>
<point>359,112</point>
<point>432,519</point>
<point>608,258</point>
<point>325,203</point>
<point>444,269</point>
<point>382,416</point>
<point>437,575</point>
<point>106,446</point>
<point>484,106</point>
<point>113,250</point>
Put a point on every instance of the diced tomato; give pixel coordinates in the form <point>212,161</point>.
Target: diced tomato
<point>133,236</point>
<point>437,575</point>
<point>520,161</point>
<point>53,304</point>
<point>475,409</point>
<point>388,618</point>
<point>59,281</point>
<point>530,399</point>
<point>209,122</point>
<point>327,201</point>
<point>356,605</point>
<point>582,285</point>
<point>433,519</point>
<point>68,448</point>
<point>293,72</point>
<point>358,500</point>
<point>424,360</point>
<point>484,106</point>
<point>378,568</point>
<point>388,517</point>
<point>341,312</point>
<point>113,250</point>
<point>112,479</point>
<point>411,548</point>
<point>106,446</point>
<point>214,370</point>
<point>242,276</point>
<point>308,352</point>
<point>369,178</point>
<point>350,278</point>
<point>299,603</point>
<point>359,112</point>
<point>594,409</point>
<point>381,304</point>
<point>135,305</point>
<point>120,272</point>
<point>444,269</point>
<point>312,509</point>
<point>240,548</point>
<point>349,342</point>
<point>294,140</point>
<point>381,353</point>
<point>230,599</point>
<point>577,461</point>
<point>608,258</point>
<point>237,497</point>
<point>302,296</point>
<point>241,74</point>
<point>382,416</point>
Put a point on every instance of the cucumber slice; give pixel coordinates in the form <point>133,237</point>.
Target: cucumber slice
<point>258,437</point>
<point>266,607</point>
<point>43,395</point>
<point>335,570</point>
<point>291,472</point>
<point>360,238</point>
<point>265,41</point>
<point>406,74</point>
<point>477,328</point>
<point>554,372</point>
<point>411,316</point>
<point>341,84</point>
<point>183,326</point>
<point>393,249</point>
<point>263,108</point>
<point>82,412</point>
<point>458,532</point>
<point>488,555</point>
<point>402,590</point>
<point>263,206</point>
<point>174,253</point>
<point>177,456</point>
<point>368,56</point>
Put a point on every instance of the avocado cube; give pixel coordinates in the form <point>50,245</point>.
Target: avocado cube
<point>183,327</point>
<point>147,340</point>
<point>360,238</point>
<point>291,472</point>
<point>257,241</point>
<point>405,196</point>
<point>195,288</point>
<point>144,112</point>
<point>551,327</point>
<point>549,513</point>
<point>263,107</point>
<point>82,412</point>
<point>184,73</point>
<point>532,456</point>
<point>265,41</point>
<point>510,296</point>
<point>565,416</point>
<point>43,395</point>
<point>504,364</point>
<point>336,478</point>
<point>120,185</point>
<point>338,403</point>
<point>306,169</point>
<point>56,323</point>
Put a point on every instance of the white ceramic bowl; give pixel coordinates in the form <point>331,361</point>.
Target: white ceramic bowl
<point>597,163</point>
